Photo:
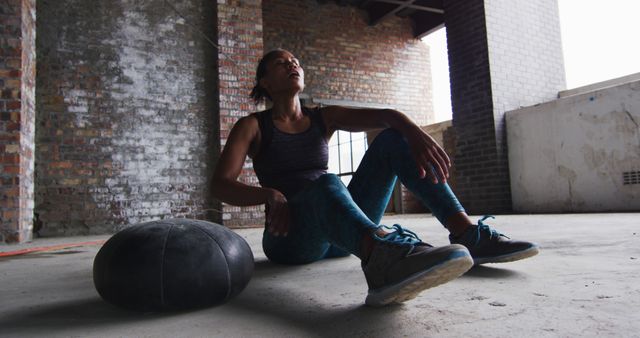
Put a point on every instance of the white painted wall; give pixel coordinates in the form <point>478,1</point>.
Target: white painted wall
<point>570,154</point>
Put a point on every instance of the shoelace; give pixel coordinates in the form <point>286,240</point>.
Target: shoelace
<point>401,235</point>
<point>486,229</point>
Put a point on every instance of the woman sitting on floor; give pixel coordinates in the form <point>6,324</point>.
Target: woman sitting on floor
<point>311,215</point>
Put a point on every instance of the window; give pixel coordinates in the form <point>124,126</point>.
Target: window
<point>345,153</point>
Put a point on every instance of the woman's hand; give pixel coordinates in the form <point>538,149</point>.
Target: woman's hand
<point>277,209</point>
<point>427,152</point>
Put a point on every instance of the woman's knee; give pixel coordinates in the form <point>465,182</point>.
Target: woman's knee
<point>390,134</point>
<point>390,137</point>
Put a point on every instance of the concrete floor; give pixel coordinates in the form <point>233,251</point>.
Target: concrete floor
<point>584,282</point>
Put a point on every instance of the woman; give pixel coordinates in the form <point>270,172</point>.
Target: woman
<point>311,215</point>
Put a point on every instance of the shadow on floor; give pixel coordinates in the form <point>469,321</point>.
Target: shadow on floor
<point>55,313</point>
<point>266,298</point>
<point>81,313</point>
<point>317,317</point>
<point>483,271</point>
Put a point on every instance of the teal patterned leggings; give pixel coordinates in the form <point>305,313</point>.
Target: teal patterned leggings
<point>330,220</point>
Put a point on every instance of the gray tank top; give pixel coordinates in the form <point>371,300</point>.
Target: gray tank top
<point>288,162</point>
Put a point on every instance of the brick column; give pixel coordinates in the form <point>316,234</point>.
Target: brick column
<point>502,55</point>
<point>241,46</point>
<point>17,119</point>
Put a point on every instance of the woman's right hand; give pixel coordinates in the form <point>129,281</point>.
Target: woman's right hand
<point>277,209</point>
<point>428,153</point>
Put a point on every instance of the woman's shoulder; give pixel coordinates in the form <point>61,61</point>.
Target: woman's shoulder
<point>246,130</point>
<point>253,118</point>
<point>247,123</point>
<point>261,119</point>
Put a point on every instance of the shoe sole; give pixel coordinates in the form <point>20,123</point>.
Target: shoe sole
<point>514,256</point>
<point>413,285</point>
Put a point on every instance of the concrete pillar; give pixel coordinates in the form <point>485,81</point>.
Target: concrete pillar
<point>503,54</point>
<point>17,119</point>
<point>241,47</point>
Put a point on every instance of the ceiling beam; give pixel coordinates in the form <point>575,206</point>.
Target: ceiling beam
<point>425,23</point>
<point>420,32</point>
<point>409,5</point>
<point>376,16</point>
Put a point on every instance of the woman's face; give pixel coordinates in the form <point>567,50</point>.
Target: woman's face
<point>284,75</point>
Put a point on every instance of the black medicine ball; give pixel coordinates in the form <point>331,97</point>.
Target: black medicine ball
<point>172,264</point>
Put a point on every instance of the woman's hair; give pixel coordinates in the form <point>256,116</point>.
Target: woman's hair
<point>258,94</point>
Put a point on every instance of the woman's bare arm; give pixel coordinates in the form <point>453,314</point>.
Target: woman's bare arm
<point>226,187</point>
<point>225,184</point>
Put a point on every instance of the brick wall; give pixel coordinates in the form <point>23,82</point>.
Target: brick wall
<point>10,80</point>
<point>502,54</point>
<point>525,56</point>
<point>126,118</point>
<point>345,59</point>
<point>240,39</point>
<point>17,118</point>
<point>483,180</point>
<point>27,119</point>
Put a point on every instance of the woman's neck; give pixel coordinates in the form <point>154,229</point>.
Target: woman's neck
<point>287,108</point>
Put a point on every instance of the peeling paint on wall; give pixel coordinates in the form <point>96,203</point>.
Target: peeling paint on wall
<point>590,141</point>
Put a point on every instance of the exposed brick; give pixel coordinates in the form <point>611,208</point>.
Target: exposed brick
<point>10,169</point>
<point>127,113</point>
<point>10,159</point>
<point>17,112</point>
<point>345,59</point>
<point>240,35</point>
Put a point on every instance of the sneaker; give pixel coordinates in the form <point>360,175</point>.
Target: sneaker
<point>486,245</point>
<point>401,266</point>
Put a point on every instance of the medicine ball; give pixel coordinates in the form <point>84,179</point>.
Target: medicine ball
<point>172,264</point>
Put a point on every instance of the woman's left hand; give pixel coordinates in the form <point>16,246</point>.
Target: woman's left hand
<point>277,213</point>
<point>427,153</point>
